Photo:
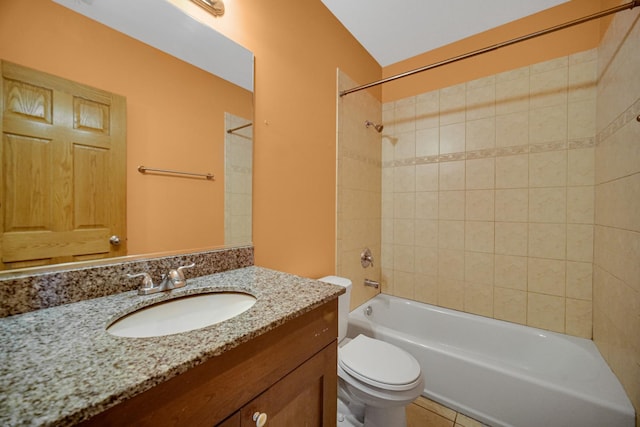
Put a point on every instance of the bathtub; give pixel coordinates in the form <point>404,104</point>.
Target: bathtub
<point>497,372</point>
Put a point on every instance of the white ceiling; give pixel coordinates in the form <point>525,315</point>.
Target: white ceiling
<point>392,31</point>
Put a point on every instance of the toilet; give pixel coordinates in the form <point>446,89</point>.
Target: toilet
<point>376,380</point>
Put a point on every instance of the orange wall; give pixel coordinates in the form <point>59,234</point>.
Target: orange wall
<point>175,117</point>
<point>297,47</point>
<point>575,39</point>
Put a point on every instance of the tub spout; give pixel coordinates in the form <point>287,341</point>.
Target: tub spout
<point>371,283</point>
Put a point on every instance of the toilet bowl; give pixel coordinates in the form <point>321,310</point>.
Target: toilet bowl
<point>376,380</point>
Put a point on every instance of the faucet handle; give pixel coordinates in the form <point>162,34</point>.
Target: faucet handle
<point>179,270</point>
<point>147,281</point>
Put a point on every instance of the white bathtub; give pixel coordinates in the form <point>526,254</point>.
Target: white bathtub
<point>497,372</point>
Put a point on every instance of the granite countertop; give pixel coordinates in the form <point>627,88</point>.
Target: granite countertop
<point>59,366</point>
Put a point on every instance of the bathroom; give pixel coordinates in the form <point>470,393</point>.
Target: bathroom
<point>295,181</point>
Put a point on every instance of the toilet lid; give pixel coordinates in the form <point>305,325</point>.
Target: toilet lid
<point>379,364</point>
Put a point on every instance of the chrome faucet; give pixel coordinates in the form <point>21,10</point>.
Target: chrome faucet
<point>173,280</point>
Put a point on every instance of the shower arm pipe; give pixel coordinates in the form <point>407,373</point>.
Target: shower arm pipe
<point>625,6</point>
<point>239,127</point>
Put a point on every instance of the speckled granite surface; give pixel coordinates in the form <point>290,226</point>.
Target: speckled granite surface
<point>59,366</point>
<point>26,293</point>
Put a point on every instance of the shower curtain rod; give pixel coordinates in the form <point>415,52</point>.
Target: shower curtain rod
<point>606,12</point>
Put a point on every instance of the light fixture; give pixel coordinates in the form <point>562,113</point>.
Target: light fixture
<point>214,7</point>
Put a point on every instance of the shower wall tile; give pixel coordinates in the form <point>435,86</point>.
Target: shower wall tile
<point>503,213</point>
<point>580,202</point>
<point>510,305</point>
<point>480,174</point>
<point>365,202</point>
<point>512,205</point>
<point>512,171</point>
<point>511,272</point>
<point>616,266</point>
<point>546,312</point>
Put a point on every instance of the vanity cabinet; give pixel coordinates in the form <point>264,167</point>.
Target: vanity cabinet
<point>288,373</point>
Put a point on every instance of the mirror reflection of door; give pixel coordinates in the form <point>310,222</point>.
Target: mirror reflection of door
<point>63,159</point>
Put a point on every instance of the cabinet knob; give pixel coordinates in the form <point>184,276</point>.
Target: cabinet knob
<point>260,419</point>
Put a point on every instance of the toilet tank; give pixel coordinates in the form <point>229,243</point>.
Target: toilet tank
<point>343,303</point>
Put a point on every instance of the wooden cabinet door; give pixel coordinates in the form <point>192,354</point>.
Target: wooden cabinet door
<point>62,166</point>
<point>307,397</point>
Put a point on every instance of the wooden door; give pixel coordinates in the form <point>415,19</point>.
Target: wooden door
<point>304,398</point>
<point>63,159</point>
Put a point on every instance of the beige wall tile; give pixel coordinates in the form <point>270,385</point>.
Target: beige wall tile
<point>618,203</point>
<point>579,280</point>
<point>618,251</point>
<point>480,100</point>
<point>404,284</point>
<point>511,238</point>
<point>428,141</point>
<point>547,240</point>
<point>479,205</point>
<point>426,288</point>
<point>427,177</point>
<point>479,236</point>
<point>404,232</point>
<point>512,92</point>
<point>451,234</point>
<point>512,171</point>
<point>511,272</point>
<point>404,178</point>
<point>548,204</point>
<point>549,88</point>
<point>426,233</point>
<point>512,205</point>
<point>478,299</point>
<point>403,258</point>
<point>451,205</point>
<point>478,268</point>
<point>426,259</point>
<point>545,312</point>
<point>580,242</point>
<point>428,110</point>
<point>451,293</point>
<point>427,205</point>
<point>452,104</point>
<point>480,174</point>
<point>405,145</point>
<point>548,169</point>
<point>512,129</point>
<point>546,276</point>
<point>404,205</point>
<point>510,305</point>
<point>480,134</point>
<point>451,264</point>
<point>496,220</point>
<point>579,315</point>
<point>580,204</point>
<point>452,175</point>
<point>581,119</point>
<point>452,138</point>
<point>581,166</point>
<point>548,124</point>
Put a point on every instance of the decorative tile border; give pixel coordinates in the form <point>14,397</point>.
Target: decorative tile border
<point>495,152</point>
<point>48,289</point>
<point>619,122</point>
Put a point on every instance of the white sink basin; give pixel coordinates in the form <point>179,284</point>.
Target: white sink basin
<point>182,314</point>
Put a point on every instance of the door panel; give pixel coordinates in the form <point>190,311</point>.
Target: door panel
<point>63,170</point>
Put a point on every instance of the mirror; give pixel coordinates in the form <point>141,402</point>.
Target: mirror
<point>185,85</point>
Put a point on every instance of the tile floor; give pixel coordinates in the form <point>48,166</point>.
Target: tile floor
<point>427,413</point>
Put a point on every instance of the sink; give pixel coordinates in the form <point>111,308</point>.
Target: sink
<point>182,314</point>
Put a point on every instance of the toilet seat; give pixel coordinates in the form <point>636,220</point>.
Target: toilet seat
<point>379,364</point>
